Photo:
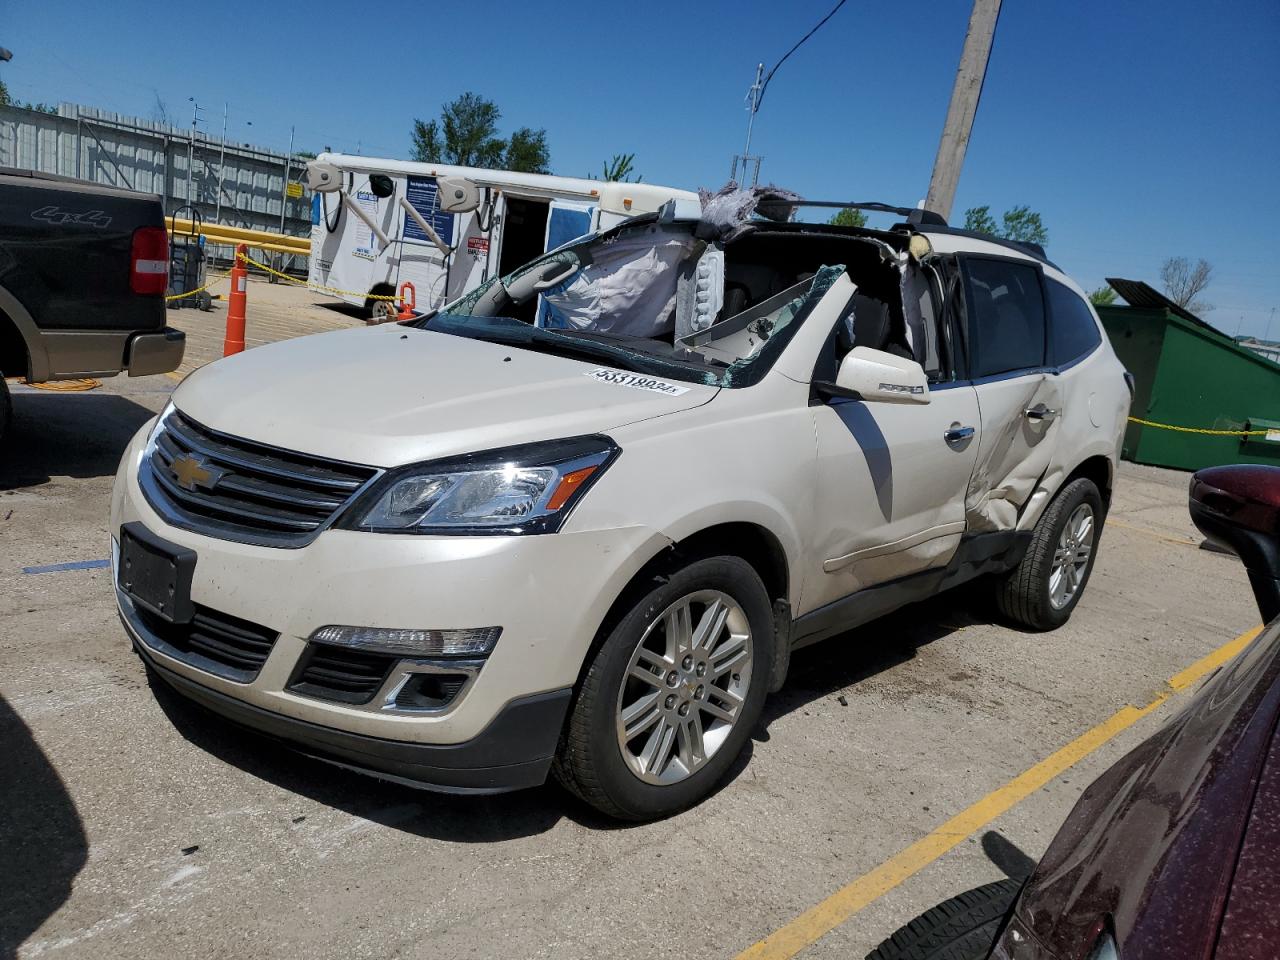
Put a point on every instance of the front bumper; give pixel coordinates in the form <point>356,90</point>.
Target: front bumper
<point>513,752</point>
<point>151,353</point>
<point>548,593</point>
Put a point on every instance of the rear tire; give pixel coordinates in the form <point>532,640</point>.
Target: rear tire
<point>1043,589</point>
<point>962,928</point>
<point>672,694</point>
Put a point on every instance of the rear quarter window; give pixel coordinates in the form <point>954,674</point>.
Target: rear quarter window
<point>1073,333</point>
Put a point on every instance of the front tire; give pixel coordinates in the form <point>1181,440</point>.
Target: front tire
<point>672,694</point>
<point>1043,589</point>
<point>962,928</point>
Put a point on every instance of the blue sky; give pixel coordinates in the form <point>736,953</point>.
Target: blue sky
<point>1139,130</point>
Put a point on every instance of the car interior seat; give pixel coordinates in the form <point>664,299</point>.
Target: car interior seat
<point>871,326</point>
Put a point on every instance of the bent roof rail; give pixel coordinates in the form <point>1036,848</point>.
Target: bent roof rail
<point>914,215</point>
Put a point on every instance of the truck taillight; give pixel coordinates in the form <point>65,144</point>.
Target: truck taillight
<point>149,260</point>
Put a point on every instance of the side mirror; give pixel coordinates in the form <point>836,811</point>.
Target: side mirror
<point>381,186</point>
<point>457,195</point>
<point>1238,507</point>
<point>878,377</point>
<point>323,177</point>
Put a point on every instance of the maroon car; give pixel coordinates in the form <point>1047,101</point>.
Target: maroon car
<point>1174,852</point>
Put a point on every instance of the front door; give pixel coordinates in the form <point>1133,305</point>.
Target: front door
<point>891,488</point>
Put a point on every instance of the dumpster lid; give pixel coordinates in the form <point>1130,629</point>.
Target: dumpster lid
<point>1136,293</point>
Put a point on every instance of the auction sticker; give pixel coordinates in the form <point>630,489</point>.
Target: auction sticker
<point>637,380</point>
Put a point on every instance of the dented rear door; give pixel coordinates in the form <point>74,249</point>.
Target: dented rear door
<point>1019,398</point>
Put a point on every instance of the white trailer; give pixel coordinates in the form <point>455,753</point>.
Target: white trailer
<point>376,224</point>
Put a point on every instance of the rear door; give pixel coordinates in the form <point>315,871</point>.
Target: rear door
<point>1019,396</point>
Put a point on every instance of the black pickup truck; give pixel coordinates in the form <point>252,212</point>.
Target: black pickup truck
<point>83,272</point>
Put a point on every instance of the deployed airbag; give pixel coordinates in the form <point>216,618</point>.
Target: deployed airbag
<point>629,287</point>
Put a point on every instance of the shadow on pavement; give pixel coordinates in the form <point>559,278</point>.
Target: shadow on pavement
<point>78,435</point>
<point>816,672</point>
<point>857,655</point>
<point>346,309</point>
<point>1007,856</point>
<point>42,840</point>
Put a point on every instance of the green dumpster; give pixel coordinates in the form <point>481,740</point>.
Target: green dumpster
<point>1188,374</point>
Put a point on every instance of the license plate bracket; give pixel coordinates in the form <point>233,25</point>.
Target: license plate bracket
<point>156,574</point>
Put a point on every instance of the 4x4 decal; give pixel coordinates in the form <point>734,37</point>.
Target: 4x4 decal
<point>87,218</point>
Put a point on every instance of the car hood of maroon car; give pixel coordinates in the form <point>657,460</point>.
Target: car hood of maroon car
<point>1177,842</point>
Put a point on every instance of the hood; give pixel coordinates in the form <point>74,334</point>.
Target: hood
<point>391,395</point>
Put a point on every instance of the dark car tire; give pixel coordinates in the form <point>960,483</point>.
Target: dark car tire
<point>1023,594</point>
<point>6,408</point>
<point>590,761</point>
<point>962,928</point>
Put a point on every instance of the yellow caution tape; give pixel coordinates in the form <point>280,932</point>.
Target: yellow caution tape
<point>192,293</point>
<point>1200,430</point>
<point>319,287</point>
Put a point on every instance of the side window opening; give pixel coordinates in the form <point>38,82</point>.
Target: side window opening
<point>1006,316</point>
<point>1073,332</point>
<point>762,263</point>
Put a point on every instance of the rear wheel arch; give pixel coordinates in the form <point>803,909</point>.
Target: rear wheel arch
<point>22,352</point>
<point>1100,470</point>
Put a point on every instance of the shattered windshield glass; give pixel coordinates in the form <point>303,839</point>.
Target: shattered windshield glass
<point>647,297</point>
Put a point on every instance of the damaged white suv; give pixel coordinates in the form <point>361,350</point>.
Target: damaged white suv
<point>577,521</point>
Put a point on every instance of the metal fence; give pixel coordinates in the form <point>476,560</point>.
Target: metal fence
<point>228,183</point>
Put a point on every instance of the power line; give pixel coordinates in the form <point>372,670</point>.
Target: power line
<point>816,28</point>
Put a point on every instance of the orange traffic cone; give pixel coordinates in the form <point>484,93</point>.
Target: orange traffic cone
<point>408,302</point>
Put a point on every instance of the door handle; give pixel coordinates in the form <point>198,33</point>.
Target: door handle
<point>956,433</point>
<point>1040,412</point>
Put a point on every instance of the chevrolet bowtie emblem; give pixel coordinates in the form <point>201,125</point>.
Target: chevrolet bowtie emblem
<point>190,472</point>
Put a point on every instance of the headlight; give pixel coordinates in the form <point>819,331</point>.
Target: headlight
<point>528,489</point>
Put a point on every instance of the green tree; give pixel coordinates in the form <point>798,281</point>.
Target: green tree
<point>1018,223</point>
<point>620,168</point>
<point>4,95</point>
<point>848,217</point>
<point>527,151</point>
<point>467,135</point>
<point>980,219</point>
<point>1024,224</point>
<point>1104,296</point>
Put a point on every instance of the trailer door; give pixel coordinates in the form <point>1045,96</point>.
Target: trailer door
<point>567,220</point>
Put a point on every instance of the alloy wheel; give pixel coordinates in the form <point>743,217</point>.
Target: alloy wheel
<point>684,687</point>
<point>1071,557</point>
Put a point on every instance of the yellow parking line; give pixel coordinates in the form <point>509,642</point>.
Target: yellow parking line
<point>824,917</point>
<point>1112,521</point>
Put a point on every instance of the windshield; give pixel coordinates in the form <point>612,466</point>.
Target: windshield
<point>648,297</point>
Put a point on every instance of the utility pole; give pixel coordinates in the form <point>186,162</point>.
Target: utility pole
<point>191,149</point>
<point>964,104</point>
<point>222,163</point>
<point>284,188</point>
<point>753,104</point>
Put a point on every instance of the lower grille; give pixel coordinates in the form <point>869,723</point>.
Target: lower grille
<point>344,675</point>
<point>216,642</point>
<point>340,673</point>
